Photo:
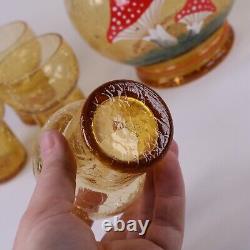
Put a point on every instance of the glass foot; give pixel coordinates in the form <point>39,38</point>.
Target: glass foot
<point>191,65</point>
<point>26,118</point>
<point>12,153</point>
<point>42,117</point>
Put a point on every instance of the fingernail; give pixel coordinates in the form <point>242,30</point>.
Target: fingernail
<point>47,142</point>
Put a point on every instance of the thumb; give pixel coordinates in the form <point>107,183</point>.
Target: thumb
<point>56,183</point>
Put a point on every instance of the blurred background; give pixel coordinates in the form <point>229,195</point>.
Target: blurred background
<point>212,121</point>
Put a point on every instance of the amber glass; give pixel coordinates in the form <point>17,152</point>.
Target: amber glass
<point>12,35</point>
<point>12,153</point>
<point>115,135</point>
<point>42,117</point>
<point>193,64</point>
<point>40,76</point>
<point>157,34</point>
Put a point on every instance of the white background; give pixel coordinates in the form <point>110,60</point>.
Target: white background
<point>212,122</point>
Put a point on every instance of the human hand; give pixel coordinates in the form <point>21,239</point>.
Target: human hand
<point>49,224</point>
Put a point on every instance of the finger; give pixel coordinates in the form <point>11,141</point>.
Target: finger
<point>146,201</point>
<point>56,183</point>
<point>141,209</point>
<point>145,204</point>
<point>167,226</point>
<point>174,148</point>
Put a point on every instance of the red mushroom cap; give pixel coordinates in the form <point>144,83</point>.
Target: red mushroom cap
<point>123,16</point>
<point>195,6</point>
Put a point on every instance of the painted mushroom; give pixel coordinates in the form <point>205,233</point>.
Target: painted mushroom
<point>194,13</point>
<point>138,20</point>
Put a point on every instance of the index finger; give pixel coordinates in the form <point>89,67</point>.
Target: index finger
<point>167,226</point>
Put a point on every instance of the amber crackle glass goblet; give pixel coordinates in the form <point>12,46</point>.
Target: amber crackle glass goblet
<point>12,35</point>
<point>12,152</point>
<point>39,91</point>
<point>116,135</point>
<point>170,42</point>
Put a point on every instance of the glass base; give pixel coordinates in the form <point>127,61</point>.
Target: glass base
<point>26,118</point>
<point>191,65</point>
<point>12,153</point>
<point>42,117</point>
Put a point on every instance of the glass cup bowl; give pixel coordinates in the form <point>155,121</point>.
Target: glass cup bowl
<point>170,42</point>
<point>39,76</point>
<point>12,35</point>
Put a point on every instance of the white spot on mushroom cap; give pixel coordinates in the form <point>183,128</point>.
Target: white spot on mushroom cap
<point>126,13</point>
